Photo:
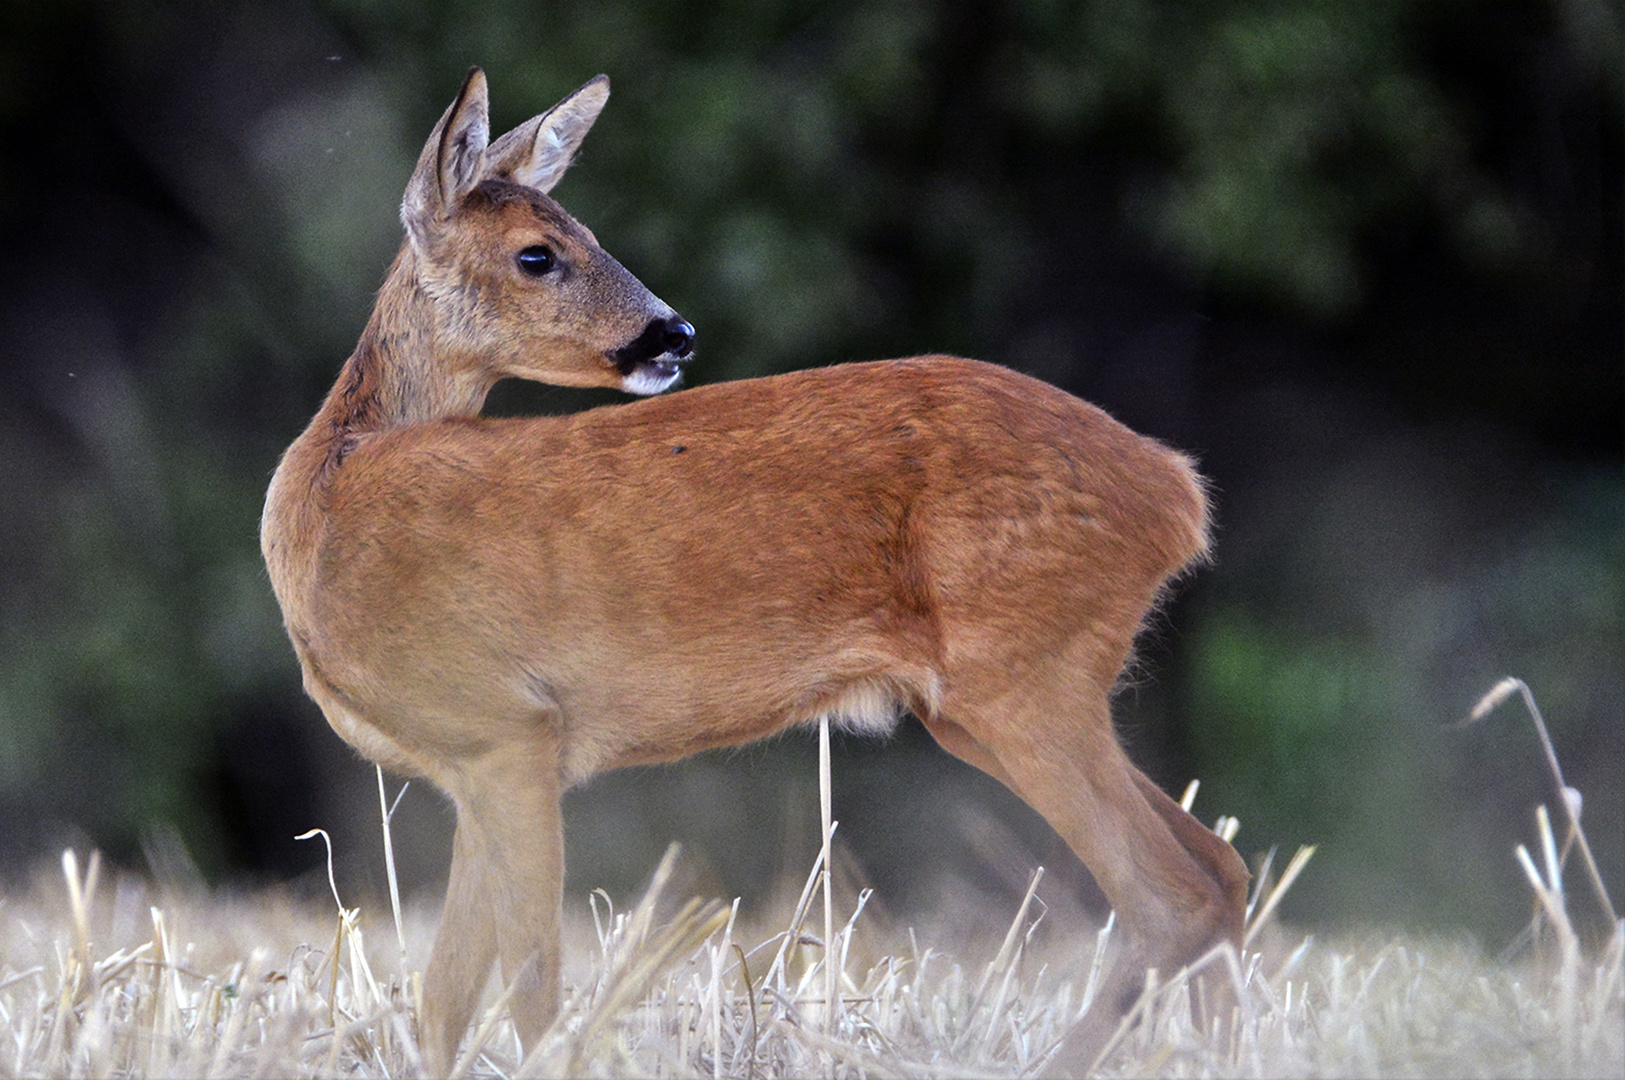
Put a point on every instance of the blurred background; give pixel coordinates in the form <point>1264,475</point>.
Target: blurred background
<point>1363,260</point>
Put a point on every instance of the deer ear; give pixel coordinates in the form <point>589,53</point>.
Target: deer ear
<point>537,152</point>
<point>453,159</point>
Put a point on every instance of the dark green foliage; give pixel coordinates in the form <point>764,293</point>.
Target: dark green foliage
<point>1364,258</point>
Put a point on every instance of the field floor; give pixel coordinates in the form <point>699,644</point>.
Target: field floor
<point>114,978</point>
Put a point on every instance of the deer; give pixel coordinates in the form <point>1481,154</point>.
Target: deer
<point>508,606</point>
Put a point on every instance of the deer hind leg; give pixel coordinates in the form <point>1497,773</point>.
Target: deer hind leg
<point>504,897</point>
<point>1177,889</point>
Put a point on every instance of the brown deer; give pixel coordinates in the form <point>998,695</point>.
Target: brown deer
<point>508,606</point>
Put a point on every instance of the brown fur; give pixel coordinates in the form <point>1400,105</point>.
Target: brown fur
<point>507,607</point>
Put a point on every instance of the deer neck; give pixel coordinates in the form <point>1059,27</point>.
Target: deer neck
<point>406,369</point>
<point>401,374</point>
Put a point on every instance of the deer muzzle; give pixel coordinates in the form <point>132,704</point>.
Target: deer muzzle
<point>653,360</point>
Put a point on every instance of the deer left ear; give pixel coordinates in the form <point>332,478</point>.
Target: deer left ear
<point>453,159</point>
<point>537,152</point>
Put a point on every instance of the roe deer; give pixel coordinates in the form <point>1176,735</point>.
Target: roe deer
<point>508,606</point>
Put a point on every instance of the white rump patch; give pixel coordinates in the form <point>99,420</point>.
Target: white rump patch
<point>865,709</point>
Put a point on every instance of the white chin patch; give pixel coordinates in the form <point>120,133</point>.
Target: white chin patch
<point>649,379</point>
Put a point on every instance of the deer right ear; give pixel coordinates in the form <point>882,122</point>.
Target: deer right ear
<point>451,162</point>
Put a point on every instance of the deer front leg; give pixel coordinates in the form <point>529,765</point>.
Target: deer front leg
<point>463,950</point>
<point>503,900</point>
<point>530,843</point>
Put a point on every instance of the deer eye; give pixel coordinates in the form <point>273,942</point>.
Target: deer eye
<point>536,260</point>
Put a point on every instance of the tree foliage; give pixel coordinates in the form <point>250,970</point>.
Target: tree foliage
<point>1199,214</point>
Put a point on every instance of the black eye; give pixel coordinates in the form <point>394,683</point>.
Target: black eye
<point>536,260</point>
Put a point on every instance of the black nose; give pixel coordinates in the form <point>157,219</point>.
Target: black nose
<point>678,337</point>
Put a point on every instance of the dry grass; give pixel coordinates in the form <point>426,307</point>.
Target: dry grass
<point>114,979</point>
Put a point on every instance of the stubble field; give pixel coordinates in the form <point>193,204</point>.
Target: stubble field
<point>108,975</point>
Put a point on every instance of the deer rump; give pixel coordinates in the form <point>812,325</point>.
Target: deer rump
<point>722,562</point>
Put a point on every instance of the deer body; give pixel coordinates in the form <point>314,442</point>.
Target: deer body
<point>508,606</point>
